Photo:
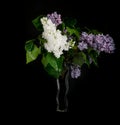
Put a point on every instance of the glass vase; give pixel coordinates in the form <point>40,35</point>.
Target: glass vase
<point>62,93</point>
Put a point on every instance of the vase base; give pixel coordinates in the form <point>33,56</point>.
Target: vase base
<point>59,110</point>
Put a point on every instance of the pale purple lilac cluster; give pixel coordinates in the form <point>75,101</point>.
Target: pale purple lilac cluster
<point>75,71</point>
<point>55,18</point>
<point>82,45</point>
<point>98,42</point>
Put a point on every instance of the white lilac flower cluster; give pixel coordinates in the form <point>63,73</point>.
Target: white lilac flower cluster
<point>56,42</point>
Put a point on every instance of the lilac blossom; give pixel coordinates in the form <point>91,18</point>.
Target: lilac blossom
<point>75,71</point>
<point>105,43</point>
<point>83,36</point>
<point>55,18</point>
<point>82,45</point>
<point>98,42</point>
<point>88,38</point>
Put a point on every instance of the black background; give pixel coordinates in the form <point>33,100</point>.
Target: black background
<point>115,122</point>
<point>96,91</point>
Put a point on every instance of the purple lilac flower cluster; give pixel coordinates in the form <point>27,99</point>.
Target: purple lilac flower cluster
<point>55,18</point>
<point>98,42</point>
<point>75,71</point>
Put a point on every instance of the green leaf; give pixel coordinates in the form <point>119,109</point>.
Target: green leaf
<point>73,31</point>
<point>52,64</point>
<point>37,23</point>
<point>33,54</point>
<point>42,40</point>
<point>60,63</point>
<point>44,61</point>
<point>80,58</point>
<point>70,22</point>
<point>29,45</point>
<point>93,54</point>
<point>61,26</point>
<point>88,61</point>
<point>51,71</point>
<point>49,58</point>
<point>93,31</point>
<point>52,61</point>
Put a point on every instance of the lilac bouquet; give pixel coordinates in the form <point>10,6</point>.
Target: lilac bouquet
<point>62,44</point>
<point>64,48</point>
